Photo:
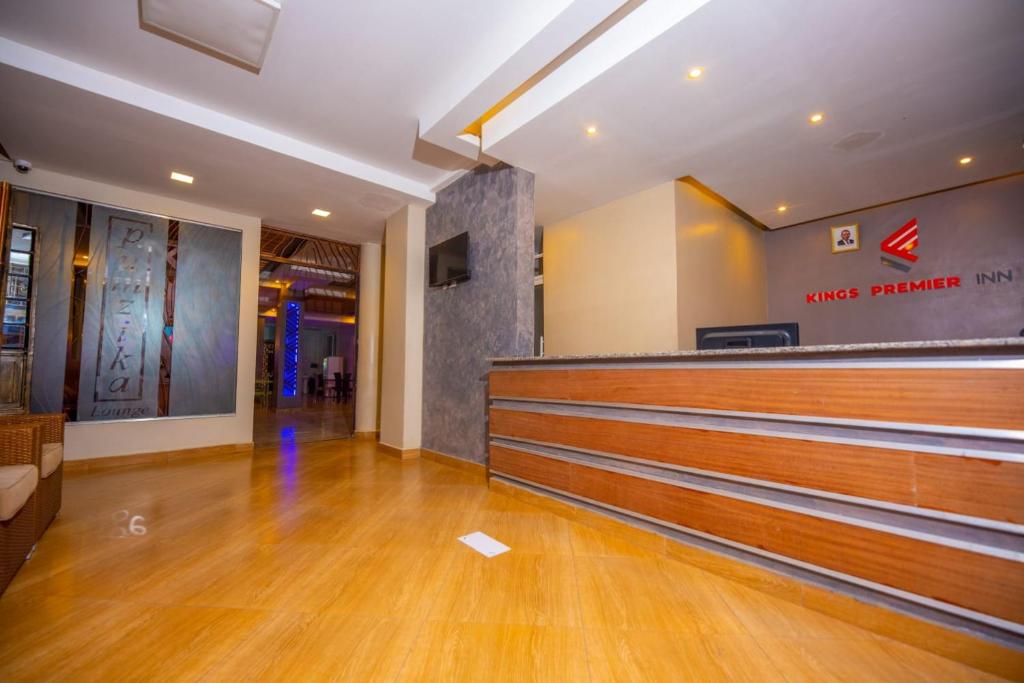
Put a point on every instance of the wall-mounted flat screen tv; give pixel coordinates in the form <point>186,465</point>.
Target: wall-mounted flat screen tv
<point>449,261</point>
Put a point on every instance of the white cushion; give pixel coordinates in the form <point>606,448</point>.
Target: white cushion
<point>53,456</point>
<point>17,482</point>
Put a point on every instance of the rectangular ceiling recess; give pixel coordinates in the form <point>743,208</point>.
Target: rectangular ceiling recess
<point>236,31</point>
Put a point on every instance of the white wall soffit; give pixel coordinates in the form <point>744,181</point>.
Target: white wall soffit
<point>70,73</point>
<point>545,32</point>
<point>635,30</point>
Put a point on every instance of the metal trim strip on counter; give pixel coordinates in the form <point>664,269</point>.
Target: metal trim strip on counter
<point>1011,555</point>
<point>512,442</point>
<point>645,415</point>
<point>882,425</point>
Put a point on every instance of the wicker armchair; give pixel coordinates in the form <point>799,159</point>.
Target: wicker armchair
<point>20,455</point>
<point>51,466</point>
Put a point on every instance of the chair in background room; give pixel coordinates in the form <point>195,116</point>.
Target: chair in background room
<point>338,384</point>
<point>20,460</point>
<point>51,466</point>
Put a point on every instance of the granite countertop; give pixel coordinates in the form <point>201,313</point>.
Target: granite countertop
<point>998,346</point>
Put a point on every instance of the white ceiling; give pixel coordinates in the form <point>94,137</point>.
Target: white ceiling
<point>346,76</point>
<point>939,78</point>
<point>343,83</point>
<point>334,118</point>
<point>68,130</point>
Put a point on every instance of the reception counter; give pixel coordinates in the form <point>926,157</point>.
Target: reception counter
<point>892,472</point>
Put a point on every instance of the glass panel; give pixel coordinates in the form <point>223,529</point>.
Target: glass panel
<point>20,263</point>
<point>21,239</point>
<point>132,315</point>
<point>16,312</point>
<point>17,287</point>
<point>124,316</point>
<point>14,336</point>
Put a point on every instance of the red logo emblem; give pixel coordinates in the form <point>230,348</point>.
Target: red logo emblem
<point>901,244</point>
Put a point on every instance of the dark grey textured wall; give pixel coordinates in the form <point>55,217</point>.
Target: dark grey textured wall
<point>490,315</point>
<point>962,232</point>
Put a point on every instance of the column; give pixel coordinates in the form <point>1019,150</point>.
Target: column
<point>368,354</point>
<point>401,410</point>
<point>288,352</point>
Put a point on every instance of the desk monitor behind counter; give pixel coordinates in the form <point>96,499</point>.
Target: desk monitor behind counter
<point>748,336</point>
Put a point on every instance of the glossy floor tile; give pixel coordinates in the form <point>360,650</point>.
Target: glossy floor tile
<point>331,561</point>
<point>318,420</point>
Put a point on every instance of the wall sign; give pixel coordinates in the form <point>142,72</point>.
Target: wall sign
<point>120,367</point>
<point>901,245</point>
<point>886,289</point>
<point>123,316</point>
<point>899,249</point>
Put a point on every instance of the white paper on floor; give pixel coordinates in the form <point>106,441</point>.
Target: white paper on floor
<point>484,544</point>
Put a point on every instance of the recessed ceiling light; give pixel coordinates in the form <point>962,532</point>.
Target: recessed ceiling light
<point>816,118</point>
<point>182,177</point>
<point>966,160</point>
<point>591,131</point>
<point>321,213</point>
<point>782,208</point>
<point>695,72</point>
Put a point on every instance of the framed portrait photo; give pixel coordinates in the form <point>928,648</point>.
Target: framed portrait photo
<point>844,238</point>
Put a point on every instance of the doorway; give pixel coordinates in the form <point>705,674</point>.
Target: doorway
<point>307,331</point>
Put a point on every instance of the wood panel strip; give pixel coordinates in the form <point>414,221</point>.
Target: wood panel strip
<point>971,486</point>
<point>546,471</point>
<point>157,458</point>
<point>985,584</point>
<point>987,397</point>
<point>857,472</point>
<point>400,453</point>
<point>968,486</point>
<point>475,468</point>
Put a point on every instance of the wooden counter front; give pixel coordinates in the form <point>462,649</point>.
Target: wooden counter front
<point>892,473</point>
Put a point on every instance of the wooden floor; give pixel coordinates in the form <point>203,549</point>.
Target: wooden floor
<point>317,421</point>
<point>332,561</point>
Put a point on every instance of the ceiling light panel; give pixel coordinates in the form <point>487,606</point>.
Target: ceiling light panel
<point>237,31</point>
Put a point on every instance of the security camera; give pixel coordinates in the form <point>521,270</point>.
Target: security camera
<point>22,166</point>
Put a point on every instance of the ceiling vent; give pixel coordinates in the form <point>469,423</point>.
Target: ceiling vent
<point>855,141</point>
<point>236,31</point>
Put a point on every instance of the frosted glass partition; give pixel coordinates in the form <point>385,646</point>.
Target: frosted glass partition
<point>136,315</point>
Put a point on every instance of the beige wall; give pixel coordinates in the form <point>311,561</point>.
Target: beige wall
<point>610,277</point>
<point>96,440</point>
<point>401,410</point>
<point>720,264</point>
<point>641,273</point>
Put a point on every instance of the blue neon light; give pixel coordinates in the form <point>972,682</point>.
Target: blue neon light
<point>290,369</point>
